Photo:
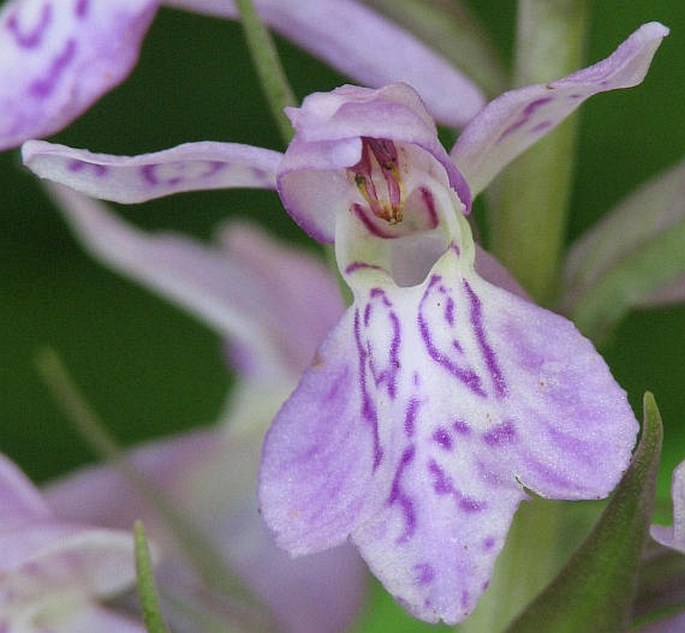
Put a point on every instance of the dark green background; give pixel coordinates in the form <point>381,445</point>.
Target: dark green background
<point>148,368</point>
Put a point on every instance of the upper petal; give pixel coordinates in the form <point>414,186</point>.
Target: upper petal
<point>329,127</point>
<point>365,46</point>
<point>128,179</point>
<point>57,58</point>
<point>515,120</point>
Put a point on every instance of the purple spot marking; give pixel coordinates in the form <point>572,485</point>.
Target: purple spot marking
<point>489,355</point>
<point>424,573</point>
<point>465,599</point>
<point>43,87</point>
<point>461,427</point>
<point>525,116</point>
<point>442,484</point>
<point>369,412</point>
<point>501,434</point>
<point>148,173</point>
<point>33,37</point>
<point>81,8</point>
<point>76,165</point>
<point>469,504</point>
<point>397,495</point>
<point>443,438</point>
<point>467,376</point>
<point>489,543</point>
<point>410,417</point>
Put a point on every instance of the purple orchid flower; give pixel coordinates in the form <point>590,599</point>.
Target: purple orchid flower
<point>55,575</point>
<point>439,400</point>
<point>274,306</point>
<point>58,58</point>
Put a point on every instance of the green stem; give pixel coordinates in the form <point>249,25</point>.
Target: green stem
<point>532,196</point>
<point>269,68</point>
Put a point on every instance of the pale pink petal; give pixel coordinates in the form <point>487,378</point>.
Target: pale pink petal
<point>57,57</point>
<point>365,46</point>
<point>96,619</point>
<point>515,120</point>
<point>202,280</point>
<point>20,501</point>
<point>129,179</point>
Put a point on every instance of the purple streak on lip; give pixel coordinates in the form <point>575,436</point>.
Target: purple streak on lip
<point>490,359</point>
<point>388,375</point>
<point>442,484</point>
<point>369,412</point>
<point>397,495</point>
<point>468,377</point>
<point>410,417</point>
<point>525,116</point>
<point>32,38</point>
<point>501,434</point>
<point>363,217</point>
<point>42,88</point>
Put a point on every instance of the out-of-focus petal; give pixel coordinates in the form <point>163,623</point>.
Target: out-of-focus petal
<point>20,502</point>
<point>673,624</point>
<point>298,291</point>
<point>365,46</point>
<point>674,536</point>
<point>632,257</point>
<point>515,120</point>
<point>489,268</point>
<point>96,619</point>
<point>212,478</point>
<point>200,279</point>
<point>273,304</point>
<point>58,57</point>
<point>129,179</point>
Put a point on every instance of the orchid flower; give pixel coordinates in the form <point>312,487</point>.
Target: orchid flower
<point>58,58</point>
<point>54,574</point>
<point>274,306</point>
<point>439,402</point>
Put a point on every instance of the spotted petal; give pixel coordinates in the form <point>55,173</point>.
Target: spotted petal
<point>130,179</point>
<point>58,57</point>
<point>430,409</point>
<point>515,120</point>
<point>365,46</point>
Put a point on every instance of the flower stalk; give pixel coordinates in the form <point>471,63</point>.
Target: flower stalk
<point>532,196</point>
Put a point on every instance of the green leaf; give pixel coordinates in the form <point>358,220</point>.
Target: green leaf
<point>635,256</point>
<point>448,28</point>
<point>594,591</point>
<point>147,588</point>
